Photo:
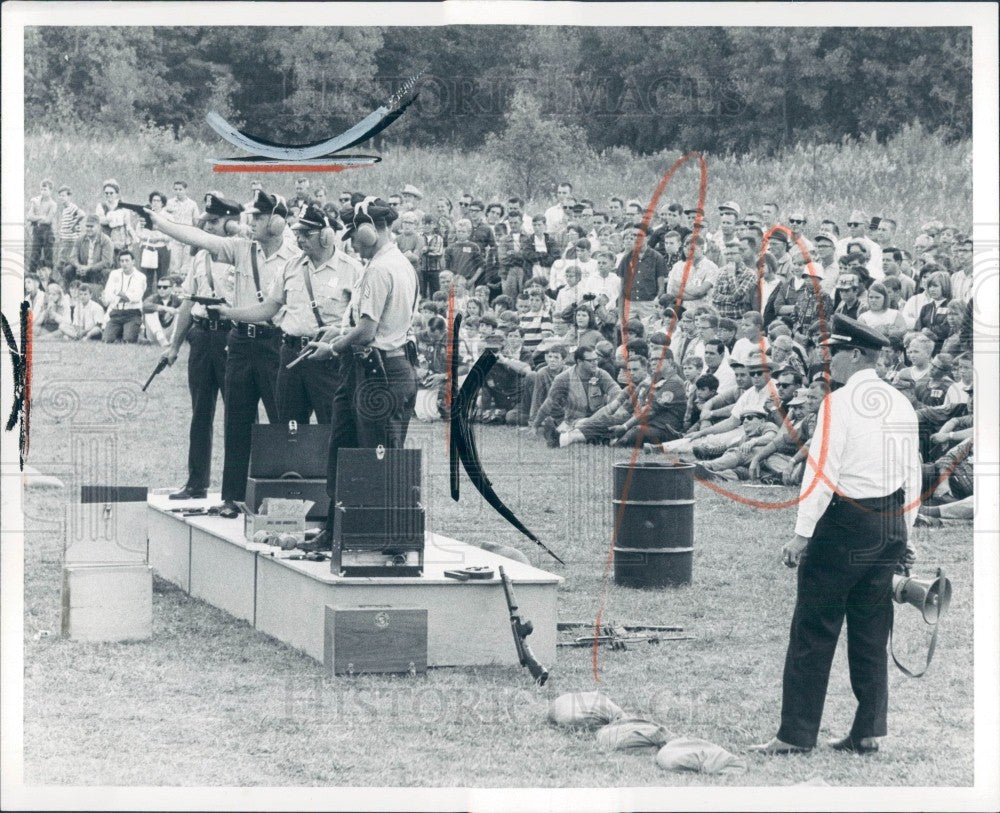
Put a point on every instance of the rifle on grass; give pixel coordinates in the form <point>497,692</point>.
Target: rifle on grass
<point>522,629</point>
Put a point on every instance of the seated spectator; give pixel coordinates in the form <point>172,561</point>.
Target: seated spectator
<point>92,256</point>
<point>748,337</point>
<point>785,353</point>
<point>570,294</point>
<point>576,393</point>
<point>88,317</point>
<point>506,393</point>
<point>704,389</point>
<point>782,458</point>
<point>937,397</point>
<point>726,333</point>
<point>160,309</point>
<point>123,297</point>
<point>660,404</point>
<point>54,313</point>
<point>717,364</point>
<point>464,257</point>
<point>605,283</point>
<point>33,294</point>
<point>733,464</point>
<point>720,406</point>
<point>555,363</point>
<point>950,478</point>
<point>957,341</point>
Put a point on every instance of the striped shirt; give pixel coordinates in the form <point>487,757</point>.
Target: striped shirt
<point>532,324</point>
<point>70,222</point>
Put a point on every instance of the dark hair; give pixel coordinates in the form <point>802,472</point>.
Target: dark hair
<point>720,347</point>
<point>726,324</point>
<point>707,382</point>
<point>579,353</point>
<point>183,184</point>
<point>159,195</point>
<point>437,323</point>
<point>640,346</point>
<point>124,252</point>
<point>636,327</point>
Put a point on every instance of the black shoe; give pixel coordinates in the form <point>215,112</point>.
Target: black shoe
<point>188,493</point>
<point>701,472</point>
<point>322,541</point>
<point>863,745</point>
<point>229,510</point>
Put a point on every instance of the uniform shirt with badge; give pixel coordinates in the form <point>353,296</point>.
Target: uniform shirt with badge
<point>386,292</point>
<point>206,277</point>
<point>331,282</point>
<point>240,252</point>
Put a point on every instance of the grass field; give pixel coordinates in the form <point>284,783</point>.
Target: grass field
<point>915,177</point>
<point>211,701</point>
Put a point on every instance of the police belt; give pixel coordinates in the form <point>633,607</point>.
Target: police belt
<point>298,342</point>
<point>869,503</point>
<point>399,352</point>
<point>211,324</point>
<point>251,331</point>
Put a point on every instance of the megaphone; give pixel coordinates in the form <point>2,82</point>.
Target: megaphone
<point>931,597</point>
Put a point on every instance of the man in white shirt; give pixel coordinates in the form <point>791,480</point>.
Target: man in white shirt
<point>183,210</point>
<point>605,282</point>
<point>555,217</point>
<point>87,319</point>
<point>701,278</point>
<point>858,502</point>
<point>123,295</point>
<point>857,226</point>
<point>570,294</point>
<point>961,278</point>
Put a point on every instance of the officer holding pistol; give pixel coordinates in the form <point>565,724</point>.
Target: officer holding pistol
<point>857,506</point>
<point>252,362</point>
<point>374,400</point>
<point>311,295</point>
<point>207,332</point>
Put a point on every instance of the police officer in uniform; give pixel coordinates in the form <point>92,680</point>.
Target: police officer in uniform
<point>311,296</point>
<point>374,401</point>
<point>206,332</point>
<point>252,361</point>
<point>856,509</point>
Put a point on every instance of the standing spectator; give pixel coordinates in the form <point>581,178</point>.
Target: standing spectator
<point>88,317</point>
<point>697,288</point>
<point>535,319</point>
<point>154,259</point>
<point>431,256</point>
<point>648,277</point>
<point>961,277</point>
<point>729,215</point>
<point>443,220</point>
<point>41,219</point>
<point>115,221</point>
<point>892,268</point>
<point>123,295</point>
<point>933,316</point>
<point>183,210</point>
<point>541,249</point>
<point>769,215</point>
<point>93,255</point>
<point>70,219</point>
<point>463,258</point>
<point>769,295</point>
<point>605,283</point>
<point>555,216</point>
<point>826,261</point>
<point>734,285</point>
<point>849,296</point>
<point>879,316</point>
<point>857,225</point>
<point>411,195</point>
<point>410,241</point>
<point>807,301</point>
<point>482,235</point>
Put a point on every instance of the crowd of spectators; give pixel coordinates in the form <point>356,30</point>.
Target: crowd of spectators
<point>705,345</point>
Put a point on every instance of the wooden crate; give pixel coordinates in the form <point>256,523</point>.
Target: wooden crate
<point>107,602</point>
<point>375,640</point>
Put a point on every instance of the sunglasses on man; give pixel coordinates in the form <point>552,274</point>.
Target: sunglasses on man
<point>796,222</point>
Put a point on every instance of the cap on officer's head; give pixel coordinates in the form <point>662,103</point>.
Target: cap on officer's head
<point>368,210</point>
<point>218,206</point>
<point>825,237</point>
<point>779,236</point>
<point>730,206</point>
<point>850,334</point>
<point>265,204</point>
<point>314,217</point>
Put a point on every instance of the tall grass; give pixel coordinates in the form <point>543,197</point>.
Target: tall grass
<point>914,177</point>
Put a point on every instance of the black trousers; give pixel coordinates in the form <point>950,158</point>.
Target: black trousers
<point>368,412</point>
<point>251,371</point>
<point>846,573</point>
<point>206,381</point>
<point>307,388</point>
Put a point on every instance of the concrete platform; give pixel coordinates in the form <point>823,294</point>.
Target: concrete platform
<point>467,622</point>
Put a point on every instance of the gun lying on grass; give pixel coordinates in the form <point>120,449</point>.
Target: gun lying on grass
<point>140,210</point>
<point>619,636</point>
<point>522,629</point>
<point>161,365</point>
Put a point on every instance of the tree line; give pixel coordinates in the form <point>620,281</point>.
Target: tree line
<point>721,90</point>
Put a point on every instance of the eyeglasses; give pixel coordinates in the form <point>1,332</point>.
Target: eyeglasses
<point>110,192</point>
<point>591,358</point>
<point>786,385</point>
<point>345,199</point>
<point>797,222</point>
<point>394,202</point>
<point>163,287</point>
<point>855,224</point>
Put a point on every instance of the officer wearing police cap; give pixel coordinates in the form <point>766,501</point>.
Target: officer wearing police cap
<point>309,300</point>
<point>252,362</point>
<point>206,331</point>
<point>857,506</point>
<point>374,401</point>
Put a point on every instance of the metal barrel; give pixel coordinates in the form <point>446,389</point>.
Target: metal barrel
<point>654,545</point>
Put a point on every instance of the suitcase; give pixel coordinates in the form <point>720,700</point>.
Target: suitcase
<point>378,477</point>
<point>375,640</point>
<point>364,528</point>
<point>289,488</point>
<point>278,449</point>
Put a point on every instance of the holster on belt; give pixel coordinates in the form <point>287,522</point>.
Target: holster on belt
<point>372,363</point>
<point>411,352</point>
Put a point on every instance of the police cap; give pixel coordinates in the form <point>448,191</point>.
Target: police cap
<point>368,210</point>
<point>265,204</point>
<point>218,206</point>
<point>849,334</point>
<point>314,218</point>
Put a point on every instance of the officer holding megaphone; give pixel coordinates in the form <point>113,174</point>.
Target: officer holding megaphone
<point>857,506</point>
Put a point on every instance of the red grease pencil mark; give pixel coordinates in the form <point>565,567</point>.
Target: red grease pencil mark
<point>21,364</point>
<point>448,358</point>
